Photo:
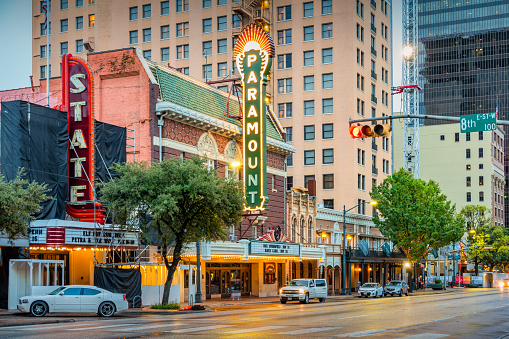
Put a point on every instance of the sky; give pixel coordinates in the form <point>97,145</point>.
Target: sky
<point>16,38</point>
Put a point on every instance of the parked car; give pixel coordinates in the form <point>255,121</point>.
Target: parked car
<point>504,283</point>
<point>75,299</point>
<point>371,290</point>
<point>396,287</point>
<point>304,289</point>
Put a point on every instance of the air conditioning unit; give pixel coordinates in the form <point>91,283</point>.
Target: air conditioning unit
<point>89,45</point>
<point>233,237</point>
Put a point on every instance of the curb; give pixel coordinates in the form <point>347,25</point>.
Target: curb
<point>168,312</point>
<point>40,323</point>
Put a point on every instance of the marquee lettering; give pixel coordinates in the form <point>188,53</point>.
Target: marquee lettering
<point>77,109</point>
<point>252,127</point>
<point>78,140</point>
<point>77,165</point>
<point>75,79</point>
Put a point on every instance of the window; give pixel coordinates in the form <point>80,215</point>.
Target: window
<point>327,56</point>
<point>309,83</point>
<point>469,181</point>
<point>328,203</point>
<point>327,81</point>
<point>327,30</point>
<point>326,7</point>
<point>327,156</point>
<point>91,20</point>
<point>64,48</point>
<point>289,160</point>
<point>91,2</point>
<point>360,82</point>
<point>43,72</point>
<point>182,5</point>
<point>467,135</point>
<point>373,159</point>
<point>360,9</point>
<point>147,11</point>
<point>133,37</point>
<point>481,196</point>
<point>284,61</point>
<point>328,181</point>
<point>222,46</point>
<point>285,110</point>
<point>79,22</point>
<point>327,106</point>
<point>456,137</point>
<point>481,166</point>
<point>133,13</point>
<point>309,157</point>
<point>469,197</point>
<point>309,58</point>
<point>481,180</point>
<point>309,33</point>
<point>165,32</point>
<point>481,136</point>
<point>360,107</point>
<point>64,4</point>
<point>222,69</point>
<point>165,7</point>
<point>307,178</point>
<point>207,71</point>
<point>481,153</point>
<point>79,46</point>
<point>289,134</point>
<point>309,132</point>
<point>308,9</point>
<point>79,3</point>
<point>182,51</point>
<point>327,131</point>
<point>43,52</point>
<point>360,32</point>
<point>309,107</point>
<point>284,85</point>
<point>147,54</point>
<point>147,35</point>
<point>361,182</point>
<point>360,57</point>
<point>64,26</point>
<point>289,183</point>
<point>284,13</point>
<point>72,291</point>
<point>223,88</point>
<point>165,54</point>
<point>206,25</point>
<point>185,70</point>
<point>236,21</point>
<point>182,29</point>
<point>442,137</point>
<point>284,37</point>
<point>206,3</point>
<point>469,167</point>
<point>221,2</point>
<point>222,24</point>
<point>206,48</point>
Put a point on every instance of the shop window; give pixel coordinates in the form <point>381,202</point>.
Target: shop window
<point>269,273</point>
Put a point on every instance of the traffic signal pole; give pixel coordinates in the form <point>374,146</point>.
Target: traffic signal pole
<point>417,116</point>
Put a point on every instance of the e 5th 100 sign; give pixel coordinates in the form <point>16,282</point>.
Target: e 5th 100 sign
<point>478,122</point>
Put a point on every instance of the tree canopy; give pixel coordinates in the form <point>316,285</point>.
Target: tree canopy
<point>477,223</point>
<point>415,215</point>
<point>19,202</point>
<point>185,201</point>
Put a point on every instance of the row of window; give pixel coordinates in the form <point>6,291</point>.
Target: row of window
<point>481,152</point>
<point>309,132</point>
<point>180,6</point>
<point>308,8</point>
<point>481,197</point>
<point>481,181</point>
<point>64,4</point>
<point>284,37</point>
<point>360,7</point>
<point>284,61</point>
<point>309,157</point>
<point>285,110</point>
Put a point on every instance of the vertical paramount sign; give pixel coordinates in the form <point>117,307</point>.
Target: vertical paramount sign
<point>253,53</point>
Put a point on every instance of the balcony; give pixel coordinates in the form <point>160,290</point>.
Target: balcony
<point>373,51</point>
<point>357,253</point>
<point>373,28</point>
<point>242,7</point>
<point>374,146</point>
<point>373,75</point>
<point>374,170</point>
<point>374,99</point>
<point>373,4</point>
<point>262,17</point>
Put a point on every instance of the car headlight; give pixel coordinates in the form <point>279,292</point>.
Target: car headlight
<point>302,290</point>
<point>280,290</point>
<point>501,284</point>
<point>23,301</point>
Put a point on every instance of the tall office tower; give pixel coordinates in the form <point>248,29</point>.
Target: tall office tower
<point>464,60</point>
<point>333,62</point>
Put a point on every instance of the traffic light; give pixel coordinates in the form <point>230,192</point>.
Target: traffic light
<point>366,131</point>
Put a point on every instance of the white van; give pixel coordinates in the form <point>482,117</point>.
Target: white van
<point>304,289</point>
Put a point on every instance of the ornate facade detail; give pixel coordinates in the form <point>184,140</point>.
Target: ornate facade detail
<point>207,146</point>
<point>177,131</point>
<point>275,160</point>
<point>232,151</point>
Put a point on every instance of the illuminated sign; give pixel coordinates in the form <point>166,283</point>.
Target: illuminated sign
<point>60,236</point>
<point>253,53</point>
<point>77,101</point>
<point>274,248</point>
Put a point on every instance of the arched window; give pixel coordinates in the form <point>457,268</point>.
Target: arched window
<point>310,230</point>
<point>302,232</point>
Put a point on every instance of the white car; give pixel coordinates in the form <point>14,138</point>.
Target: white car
<point>75,299</point>
<point>304,289</point>
<point>371,290</point>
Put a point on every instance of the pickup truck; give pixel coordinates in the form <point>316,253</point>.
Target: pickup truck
<point>304,289</point>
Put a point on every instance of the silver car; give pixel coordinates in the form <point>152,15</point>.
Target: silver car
<point>396,287</point>
<point>371,290</point>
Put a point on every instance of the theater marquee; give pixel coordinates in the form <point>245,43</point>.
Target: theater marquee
<point>253,53</point>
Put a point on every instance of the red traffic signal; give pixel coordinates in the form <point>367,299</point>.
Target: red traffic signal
<point>366,131</point>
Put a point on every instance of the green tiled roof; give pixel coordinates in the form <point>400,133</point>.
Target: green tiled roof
<point>179,90</point>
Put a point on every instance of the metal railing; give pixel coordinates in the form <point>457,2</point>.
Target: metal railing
<point>374,170</point>
<point>373,4</point>
<point>374,99</point>
<point>373,51</point>
<point>373,75</point>
<point>373,28</point>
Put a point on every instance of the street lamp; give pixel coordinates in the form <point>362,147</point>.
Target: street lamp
<point>197,296</point>
<point>343,280</point>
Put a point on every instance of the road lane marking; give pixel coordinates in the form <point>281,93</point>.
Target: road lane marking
<point>196,329</point>
<point>95,327</point>
<point>47,327</point>
<point>355,316</point>
<point>310,330</point>
<point>146,327</point>
<point>254,329</point>
<point>426,336</point>
<point>362,333</point>
<point>432,321</point>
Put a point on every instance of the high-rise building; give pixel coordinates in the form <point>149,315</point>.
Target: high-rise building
<point>333,62</point>
<point>464,61</point>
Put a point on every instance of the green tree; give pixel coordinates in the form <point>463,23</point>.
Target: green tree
<point>477,222</point>
<point>500,242</point>
<point>19,201</point>
<point>185,200</point>
<point>415,215</point>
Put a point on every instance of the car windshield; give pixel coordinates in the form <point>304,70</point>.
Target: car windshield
<point>299,283</point>
<point>395,283</point>
<point>369,285</point>
<point>56,291</point>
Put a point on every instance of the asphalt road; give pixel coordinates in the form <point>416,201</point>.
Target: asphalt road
<point>472,313</point>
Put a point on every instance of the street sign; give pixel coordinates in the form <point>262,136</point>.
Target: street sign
<point>478,122</point>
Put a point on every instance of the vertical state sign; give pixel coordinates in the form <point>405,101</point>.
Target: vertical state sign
<point>253,53</point>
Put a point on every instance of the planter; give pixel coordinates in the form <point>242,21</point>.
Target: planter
<point>436,286</point>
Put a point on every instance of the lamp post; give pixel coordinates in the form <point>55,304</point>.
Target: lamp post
<point>198,294</point>
<point>343,280</point>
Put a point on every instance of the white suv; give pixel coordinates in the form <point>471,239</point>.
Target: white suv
<point>304,289</point>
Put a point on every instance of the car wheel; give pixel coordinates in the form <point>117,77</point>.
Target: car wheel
<point>106,309</point>
<point>322,300</point>
<point>283,302</point>
<point>359,296</point>
<point>400,293</point>
<point>39,308</point>
<point>306,300</point>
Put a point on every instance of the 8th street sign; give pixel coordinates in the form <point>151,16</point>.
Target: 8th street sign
<point>478,122</point>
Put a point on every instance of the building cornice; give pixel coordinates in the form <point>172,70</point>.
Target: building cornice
<point>337,216</point>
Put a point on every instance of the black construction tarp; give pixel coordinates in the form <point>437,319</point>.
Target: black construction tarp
<point>110,143</point>
<point>120,280</point>
<point>35,137</point>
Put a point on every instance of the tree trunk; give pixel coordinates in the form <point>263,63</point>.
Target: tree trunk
<point>476,267</point>
<point>171,269</point>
